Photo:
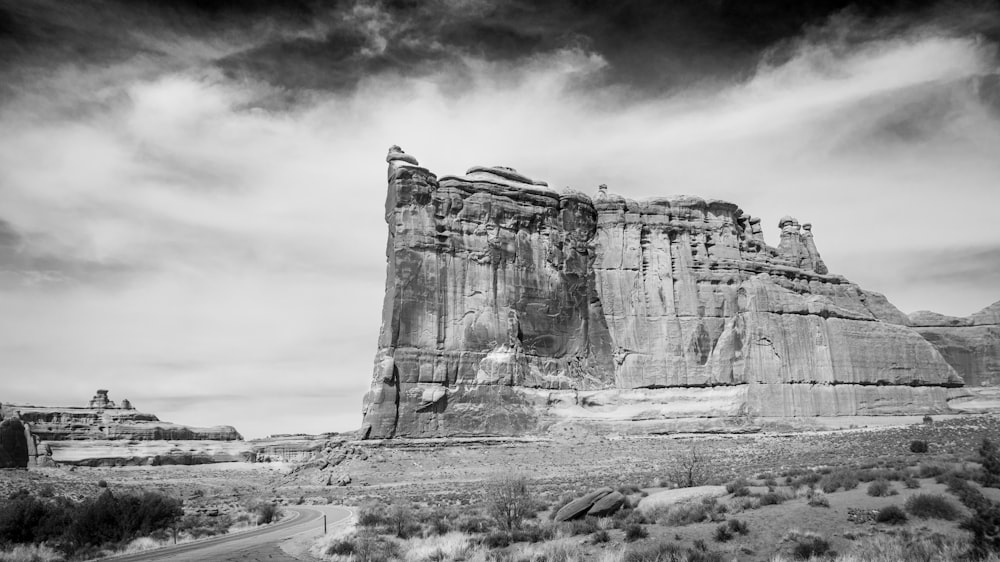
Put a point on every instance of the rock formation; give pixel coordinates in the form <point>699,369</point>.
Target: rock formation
<point>510,306</point>
<point>971,345</point>
<point>13,444</point>
<point>75,435</point>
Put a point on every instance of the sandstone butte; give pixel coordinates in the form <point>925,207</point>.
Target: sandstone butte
<point>511,308</point>
<point>104,433</point>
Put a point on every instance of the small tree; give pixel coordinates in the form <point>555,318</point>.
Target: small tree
<point>990,457</point>
<point>693,469</point>
<point>509,502</point>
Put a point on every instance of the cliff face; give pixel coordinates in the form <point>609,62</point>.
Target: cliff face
<point>510,306</point>
<point>971,345</point>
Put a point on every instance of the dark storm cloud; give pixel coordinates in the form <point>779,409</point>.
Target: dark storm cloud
<point>650,46</point>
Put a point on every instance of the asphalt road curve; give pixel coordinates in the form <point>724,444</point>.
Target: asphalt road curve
<point>248,545</point>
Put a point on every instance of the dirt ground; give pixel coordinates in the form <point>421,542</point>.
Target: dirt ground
<point>454,472</point>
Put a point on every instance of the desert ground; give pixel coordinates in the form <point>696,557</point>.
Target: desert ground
<point>452,481</point>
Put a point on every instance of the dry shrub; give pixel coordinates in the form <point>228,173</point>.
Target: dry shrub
<point>881,488</point>
<point>891,514</point>
<point>509,501</point>
<point>30,553</point>
<point>906,546</point>
<point>932,506</point>
<point>451,546</point>
<point>807,544</point>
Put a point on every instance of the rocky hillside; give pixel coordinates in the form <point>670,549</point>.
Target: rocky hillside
<point>511,306</point>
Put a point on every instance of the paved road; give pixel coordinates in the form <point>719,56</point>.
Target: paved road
<point>257,544</point>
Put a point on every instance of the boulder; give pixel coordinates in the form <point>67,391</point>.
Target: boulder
<point>580,506</point>
<point>675,496</point>
<point>608,505</point>
<point>13,444</point>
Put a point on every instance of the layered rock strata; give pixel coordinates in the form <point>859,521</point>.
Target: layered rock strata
<point>106,434</point>
<point>510,306</point>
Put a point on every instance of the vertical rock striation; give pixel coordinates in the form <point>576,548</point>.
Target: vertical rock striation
<point>510,305</point>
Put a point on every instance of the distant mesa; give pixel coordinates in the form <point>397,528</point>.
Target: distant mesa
<point>103,433</point>
<point>512,308</point>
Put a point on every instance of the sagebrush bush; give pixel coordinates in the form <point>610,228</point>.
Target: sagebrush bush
<point>266,512</point>
<point>369,547</point>
<point>600,536</point>
<point>372,515</point>
<point>932,506</point>
<point>966,493</point>
<point>737,526</point>
<point>738,487</point>
<point>918,446</point>
<point>807,544</point>
<point>772,498</point>
<point>846,479</point>
<point>891,514</point>
<point>635,532</point>
<point>819,500</point>
<point>911,482</point>
<point>685,514</point>
<point>928,470</point>
<point>989,457</point>
<point>663,551</point>
<point>722,533</point>
<point>880,488</point>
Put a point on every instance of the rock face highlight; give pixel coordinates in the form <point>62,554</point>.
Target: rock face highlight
<point>511,306</point>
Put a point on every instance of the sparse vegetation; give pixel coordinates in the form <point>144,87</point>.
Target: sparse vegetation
<point>693,470</point>
<point>634,532</point>
<point>881,488</point>
<point>772,498</point>
<point>95,522</point>
<point>891,514</point>
<point>932,506</point>
<point>846,479</point>
<point>738,487</point>
<point>509,502</point>
<point>807,544</point>
<point>266,512</point>
<point>989,455</point>
<point>819,500</point>
<point>723,533</point>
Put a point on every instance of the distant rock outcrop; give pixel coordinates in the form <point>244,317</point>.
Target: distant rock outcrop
<point>104,433</point>
<point>510,306</point>
<point>971,345</point>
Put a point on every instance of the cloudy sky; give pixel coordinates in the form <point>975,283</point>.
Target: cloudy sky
<point>191,191</point>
